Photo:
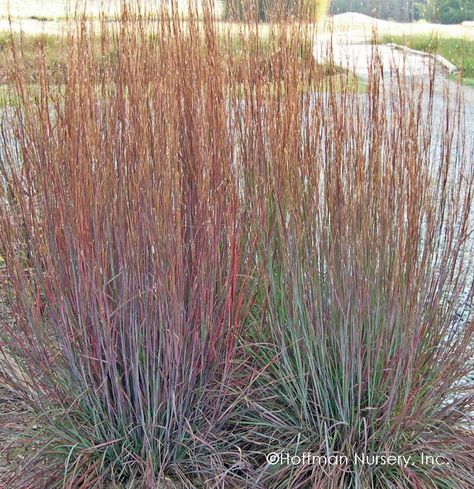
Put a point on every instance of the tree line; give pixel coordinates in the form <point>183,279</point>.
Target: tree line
<point>440,11</point>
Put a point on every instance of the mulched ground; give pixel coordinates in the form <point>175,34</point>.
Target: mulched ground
<point>15,421</point>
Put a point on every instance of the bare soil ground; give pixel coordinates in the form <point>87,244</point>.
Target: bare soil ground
<point>15,420</point>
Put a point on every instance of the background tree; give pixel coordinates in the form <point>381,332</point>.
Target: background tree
<point>266,10</point>
<point>442,11</point>
<point>446,11</point>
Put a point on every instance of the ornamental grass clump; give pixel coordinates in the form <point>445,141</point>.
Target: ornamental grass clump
<point>216,249</point>
<point>362,340</point>
<point>122,234</point>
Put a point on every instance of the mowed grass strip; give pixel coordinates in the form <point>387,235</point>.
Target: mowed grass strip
<point>458,51</point>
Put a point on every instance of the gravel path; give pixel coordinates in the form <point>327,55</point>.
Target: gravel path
<point>353,49</point>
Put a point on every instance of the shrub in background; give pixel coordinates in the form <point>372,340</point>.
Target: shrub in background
<point>272,10</point>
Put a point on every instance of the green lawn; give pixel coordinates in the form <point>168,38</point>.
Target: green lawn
<point>458,51</point>
<point>33,47</point>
